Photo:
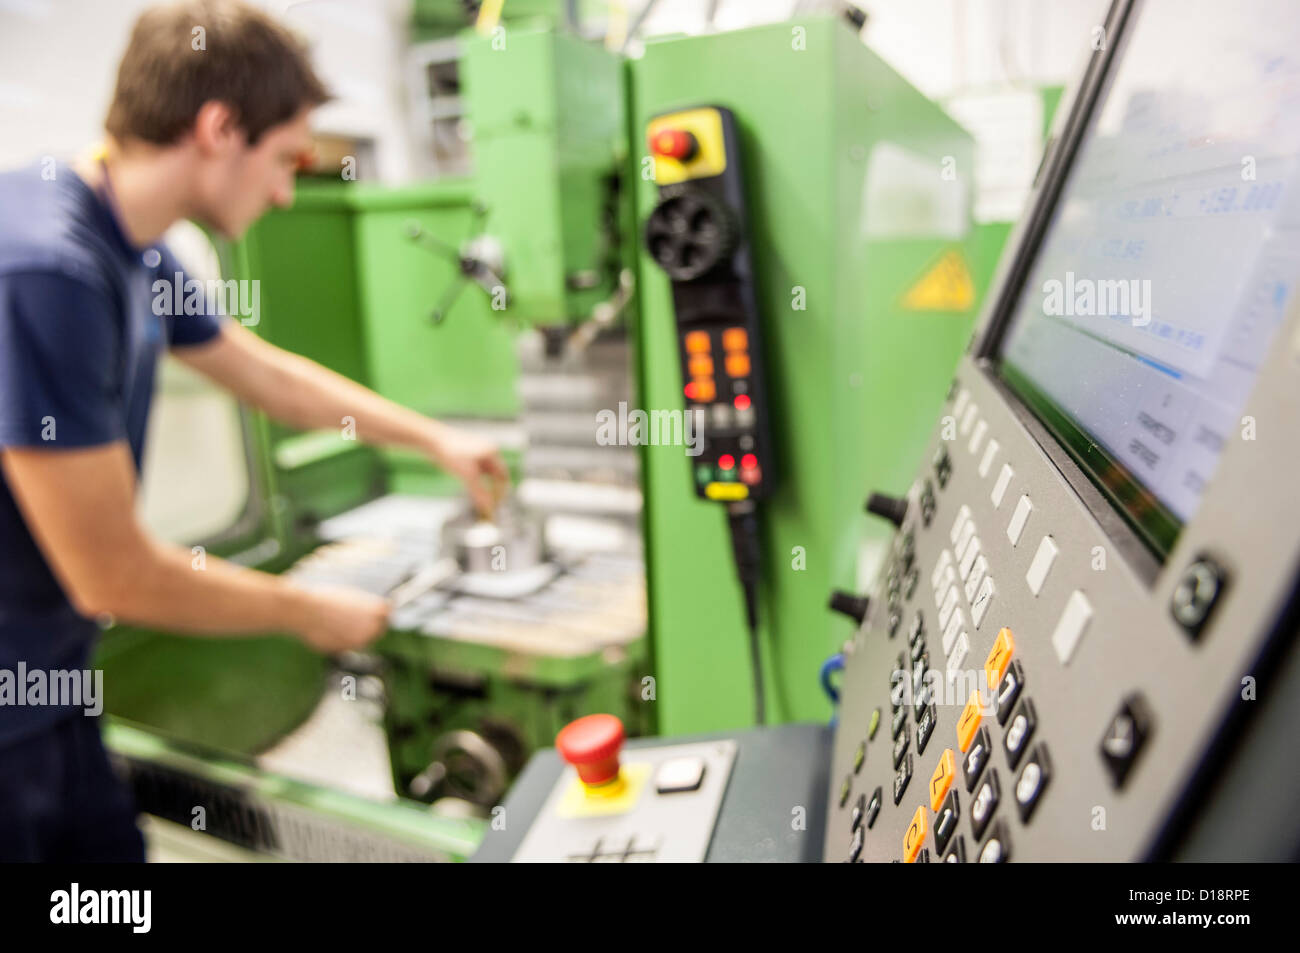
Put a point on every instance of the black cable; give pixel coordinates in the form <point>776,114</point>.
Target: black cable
<point>743,520</point>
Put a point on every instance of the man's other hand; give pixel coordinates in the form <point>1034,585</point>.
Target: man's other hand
<point>340,619</point>
<point>476,462</point>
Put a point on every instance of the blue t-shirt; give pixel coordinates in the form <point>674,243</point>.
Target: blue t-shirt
<point>80,336</point>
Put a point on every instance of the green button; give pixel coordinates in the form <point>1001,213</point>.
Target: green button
<point>859,756</point>
<point>875,723</point>
<point>703,473</point>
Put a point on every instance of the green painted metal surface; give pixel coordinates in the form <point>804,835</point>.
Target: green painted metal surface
<point>404,822</point>
<point>519,702</point>
<point>546,110</point>
<point>233,695</point>
<point>855,378</point>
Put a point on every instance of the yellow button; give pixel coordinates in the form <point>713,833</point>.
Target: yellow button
<point>697,342</point>
<point>701,365</point>
<point>726,491</point>
<point>970,721</point>
<point>941,780</point>
<point>995,666</point>
<point>915,836</point>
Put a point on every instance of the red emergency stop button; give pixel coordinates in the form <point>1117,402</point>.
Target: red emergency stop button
<point>675,144</point>
<point>591,744</point>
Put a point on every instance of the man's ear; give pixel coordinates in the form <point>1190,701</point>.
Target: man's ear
<point>216,129</point>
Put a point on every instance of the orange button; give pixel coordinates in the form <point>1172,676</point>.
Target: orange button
<point>735,339</point>
<point>915,836</point>
<point>970,720</point>
<point>697,342</point>
<point>738,365</point>
<point>701,365</point>
<point>941,780</point>
<point>705,389</point>
<point>995,666</point>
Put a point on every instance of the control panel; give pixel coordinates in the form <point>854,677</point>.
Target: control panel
<point>657,806</point>
<point>1098,558</point>
<point>697,235</point>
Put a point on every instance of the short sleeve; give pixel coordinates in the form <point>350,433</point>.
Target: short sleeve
<point>190,325</point>
<point>60,360</point>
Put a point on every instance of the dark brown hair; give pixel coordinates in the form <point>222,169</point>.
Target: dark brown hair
<point>183,55</point>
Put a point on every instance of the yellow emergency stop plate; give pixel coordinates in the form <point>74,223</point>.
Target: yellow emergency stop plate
<point>578,803</point>
<point>706,126</point>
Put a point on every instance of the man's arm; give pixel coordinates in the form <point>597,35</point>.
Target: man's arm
<point>80,506</point>
<point>302,394</point>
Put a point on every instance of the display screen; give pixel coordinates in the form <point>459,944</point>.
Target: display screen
<point>1170,257</point>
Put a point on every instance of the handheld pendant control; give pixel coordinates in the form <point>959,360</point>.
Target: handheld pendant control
<point>697,234</point>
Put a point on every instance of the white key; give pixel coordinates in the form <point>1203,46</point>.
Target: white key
<point>980,604</point>
<point>977,437</point>
<point>986,462</point>
<point>968,419</point>
<point>1018,520</point>
<point>949,603</point>
<point>949,579</point>
<point>1041,565</point>
<point>1000,486</point>
<point>968,560</point>
<point>945,561</point>
<point>967,532</point>
<point>962,398</point>
<point>1069,630</point>
<point>954,628</point>
<point>976,576</point>
<point>963,515</point>
<point>959,652</point>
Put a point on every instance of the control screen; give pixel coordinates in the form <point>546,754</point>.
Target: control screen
<point>1170,257</point>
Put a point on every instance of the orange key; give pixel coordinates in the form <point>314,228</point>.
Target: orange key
<point>735,339</point>
<point>969,722</point>
<point>915,836</point>
<point>738,365</point>
<point>705,389</point>
<point>697,342</point>
<point>995,666</point>
<point>941,780</point>
<point>701,365</point>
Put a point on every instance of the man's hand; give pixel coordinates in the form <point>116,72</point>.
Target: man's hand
<point>340,619</point>
<point>475,462</point>
<point>302,394</point>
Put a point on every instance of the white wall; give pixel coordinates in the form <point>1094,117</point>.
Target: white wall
<point>58,60</point>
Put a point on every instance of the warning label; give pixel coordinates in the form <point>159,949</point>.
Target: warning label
<point>946,286</point>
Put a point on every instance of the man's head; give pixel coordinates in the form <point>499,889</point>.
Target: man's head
<point>230,87</point>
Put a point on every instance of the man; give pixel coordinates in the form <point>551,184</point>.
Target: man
<point>209,121</point>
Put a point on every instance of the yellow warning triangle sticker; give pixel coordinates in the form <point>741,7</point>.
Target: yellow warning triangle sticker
<point>947,286</point>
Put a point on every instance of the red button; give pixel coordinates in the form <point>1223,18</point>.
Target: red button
<point>675,144</point>
<point>591,745</point>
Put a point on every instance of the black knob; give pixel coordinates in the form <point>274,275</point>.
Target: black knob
<point>689,233</point>
<point>892,508</point>
<point>855,607</point>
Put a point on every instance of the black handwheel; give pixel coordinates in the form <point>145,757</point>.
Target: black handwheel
<point>689,233</point>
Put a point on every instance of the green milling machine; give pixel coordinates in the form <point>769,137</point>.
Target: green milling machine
<point>521,300</point>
